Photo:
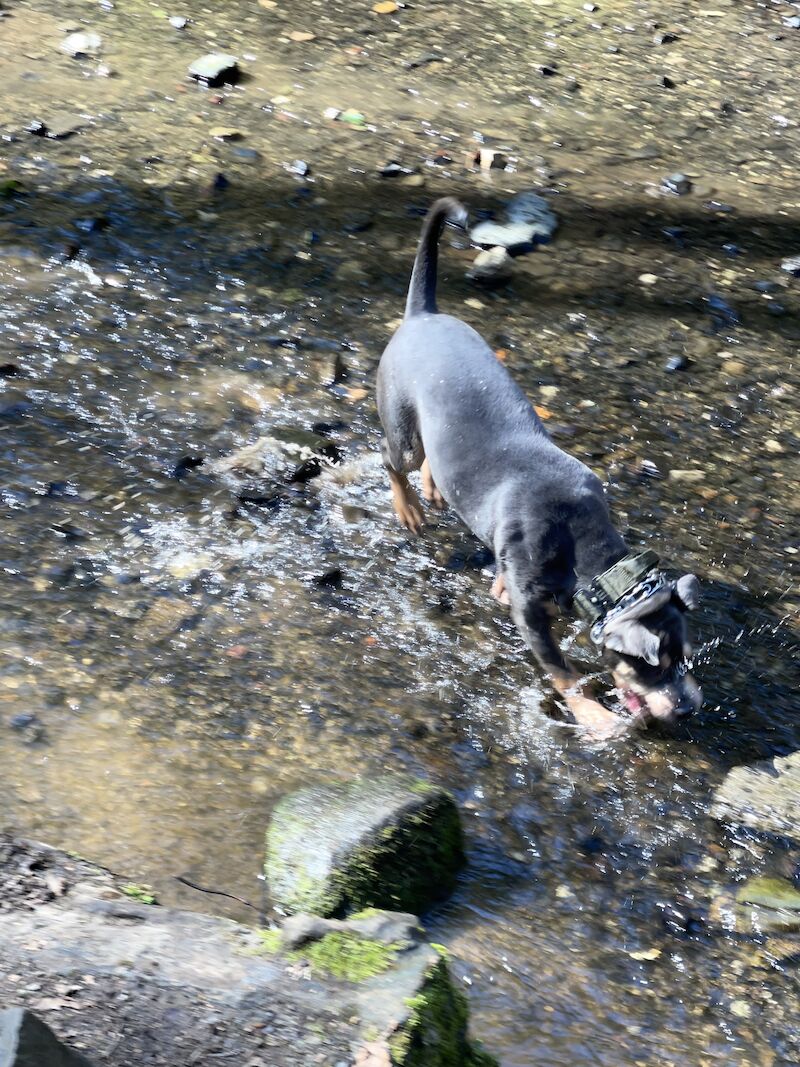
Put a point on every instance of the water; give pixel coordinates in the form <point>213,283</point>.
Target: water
<point>170,634</point>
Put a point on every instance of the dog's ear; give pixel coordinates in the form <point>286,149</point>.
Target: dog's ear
<point>632,639</point>
<point>687,592</point>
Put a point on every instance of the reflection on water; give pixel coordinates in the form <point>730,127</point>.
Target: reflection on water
<point>184,642</point>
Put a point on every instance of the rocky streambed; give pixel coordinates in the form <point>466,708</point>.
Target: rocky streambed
<point>206,606</point>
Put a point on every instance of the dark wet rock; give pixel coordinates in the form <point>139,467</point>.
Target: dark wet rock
<point>665,37</point>
<point>25,1041</point>
<point>491,268</point>
<point>246,155</point>
<point>60,125</point>
<point>792,265</point>
<point>215,69</point>
<point>330,579</point>
<point>86,43</point>
<point>767,286</point>
<point>184,465</point>
<point>358,222</point>
<point>548,70</point>
<point>764,796</point>
<point>677,183</point>
<point>390,842</point>
<point>722,314</point>
<point>220,183</point>
<point>667,82</point>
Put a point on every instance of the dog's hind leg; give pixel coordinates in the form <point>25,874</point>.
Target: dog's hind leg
<point>402,452</point>
<point>429,490</point>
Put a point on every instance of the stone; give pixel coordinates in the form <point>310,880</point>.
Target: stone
<point>764,796</point>
<point>390,842</point>
<point>520,236</point>
<point>491,267</point>
<point>529,221</point>
<point>25,1041</point>
<point>87,43</point>
<point>215,69</point>
<point>396,928</point>
<point>531,208</point>
<point>688,477</point>
<point>178,22</point>
<point>792,265</point>
<point>677,183</point>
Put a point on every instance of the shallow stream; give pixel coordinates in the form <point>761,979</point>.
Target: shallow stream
<point>183,644</point>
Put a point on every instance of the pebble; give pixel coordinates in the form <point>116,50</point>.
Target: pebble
<point>180,22</point>
<point>491,267</point>
<point>689,477</point>
<point>676,363</point>
<point>677,183</point>
<point>792,265</point>
<point>215,69</point>
<point>82,44</point>
<point>648,279</point>
<point>225,133</point>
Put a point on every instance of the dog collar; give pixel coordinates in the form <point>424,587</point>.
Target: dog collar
<point>596,600</point>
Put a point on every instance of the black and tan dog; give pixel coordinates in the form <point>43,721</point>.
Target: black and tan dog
<point>449,408</point>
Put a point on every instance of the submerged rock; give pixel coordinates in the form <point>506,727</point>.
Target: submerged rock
<point>765,796</point>
<point>792,265</point>
<point>393,842</point>
<point>215,69</point>
<point>25,1041</point>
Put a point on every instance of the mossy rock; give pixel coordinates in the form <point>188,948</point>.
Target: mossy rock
<point>764,796</point>
<point>393,842</point>
<point>435,1033</point>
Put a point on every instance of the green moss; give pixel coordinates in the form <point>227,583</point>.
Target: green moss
<point>142,893</point>
<point>366,913</point>
<point>270,941</point>
<point>345,955</point>
<point>435,1032</point>
<point>386,873</point>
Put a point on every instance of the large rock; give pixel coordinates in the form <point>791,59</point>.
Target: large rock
<point>765,796</point>
<point>25,1041</point>
<point>393,842</point>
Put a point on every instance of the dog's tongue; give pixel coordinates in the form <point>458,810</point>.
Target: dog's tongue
<point>633,702</point>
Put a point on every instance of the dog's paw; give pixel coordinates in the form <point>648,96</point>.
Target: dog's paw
<point>596,722</point>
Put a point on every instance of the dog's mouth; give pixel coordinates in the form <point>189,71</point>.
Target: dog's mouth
<point>633,703</point>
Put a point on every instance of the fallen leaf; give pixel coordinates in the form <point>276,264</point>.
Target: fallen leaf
<point>357,393</point>
<point>370,640</point>
<point>385,7</point>
<point>543,413</point>
<point>501,353</point>
<point>646,954</point>
<point>301,35</point>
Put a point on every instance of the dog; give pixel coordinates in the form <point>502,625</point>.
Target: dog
<point>450,409</point>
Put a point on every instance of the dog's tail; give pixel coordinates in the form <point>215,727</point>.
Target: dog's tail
<point>422,290</point>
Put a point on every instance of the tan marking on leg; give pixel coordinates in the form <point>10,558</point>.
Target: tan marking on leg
<point>407,505</point>
<point>429,490</point>
<point>499,591</point>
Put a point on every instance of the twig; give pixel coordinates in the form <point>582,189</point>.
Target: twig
<point>215,892</point>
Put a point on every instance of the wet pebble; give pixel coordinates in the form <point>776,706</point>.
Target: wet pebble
<point>215,69</point>
<point>82,44</point>
<point>491,267</point>
<point>792,265</point>
<point>675,363</point>
<point>677,183</point>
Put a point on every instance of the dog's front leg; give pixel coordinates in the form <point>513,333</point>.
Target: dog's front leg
<point>533,623</point>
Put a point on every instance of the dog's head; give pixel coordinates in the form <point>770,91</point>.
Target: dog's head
<point>649,653</point>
